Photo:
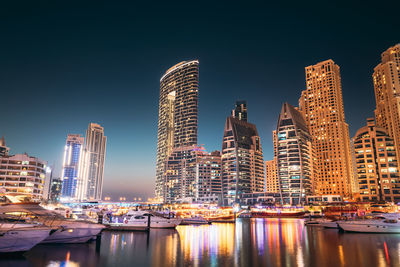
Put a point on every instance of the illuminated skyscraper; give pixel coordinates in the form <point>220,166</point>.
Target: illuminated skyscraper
<point>271,177</point>
<point>377,167</point>
<point>271,172</point>
<point>295,157</point>
<point>242,160</point>
<point>72,172</point>
<point>387,93</point>
<point>322,107</point>
<point>177,115</point>
<point>275,140</point>
<point>95,147</point>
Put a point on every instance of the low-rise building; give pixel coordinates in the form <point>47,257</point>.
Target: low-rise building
<point>192,175</point>
<point>324,199</point>
<point>23,175</point>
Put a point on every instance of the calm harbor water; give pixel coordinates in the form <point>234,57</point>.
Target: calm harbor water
<point>251,242</point>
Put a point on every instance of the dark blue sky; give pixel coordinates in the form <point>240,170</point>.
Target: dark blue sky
<point>65,64</point>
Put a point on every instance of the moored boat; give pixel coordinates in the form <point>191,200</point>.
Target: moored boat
<point>229,218</point>
<point>62,230</point>
<point>312,222</point>
<point>19,237</point>
<point>330,224</point>
<point>66,232</point>
<point>194,220</point>
<point>278,212</point>
<point>385,223</point>
<point>321,222</point>
<point>139,221</point>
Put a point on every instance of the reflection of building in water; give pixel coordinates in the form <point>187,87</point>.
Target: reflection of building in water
<point>67,255</point>
<point>213,241</point>
<point>278,239</point>
<point>164,245</point>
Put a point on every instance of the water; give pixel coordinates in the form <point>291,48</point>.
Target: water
<point>255,242</point>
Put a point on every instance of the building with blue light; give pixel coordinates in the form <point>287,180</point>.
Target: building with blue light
<point>73,167</point>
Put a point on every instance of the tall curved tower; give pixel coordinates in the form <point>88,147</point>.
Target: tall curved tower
<point>177,114</point>
<point>295,159</point>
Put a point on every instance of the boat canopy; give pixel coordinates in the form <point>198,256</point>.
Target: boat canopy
<point>29,208</point>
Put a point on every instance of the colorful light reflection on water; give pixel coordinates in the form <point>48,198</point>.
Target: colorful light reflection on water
<point>255,242</point>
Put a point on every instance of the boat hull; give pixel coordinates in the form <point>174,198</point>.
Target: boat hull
<point>124,227</point>
<point>330,225</point>
<point>195,222</point>
<point>72,235</point>
<point>308,224</point>
<point>21,239</point>
<point>139,225</point>
<point>369,228</point>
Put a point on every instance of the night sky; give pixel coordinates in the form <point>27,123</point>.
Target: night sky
<point>65,64</point>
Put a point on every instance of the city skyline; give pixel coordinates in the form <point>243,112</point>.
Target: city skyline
<point>37,78</point>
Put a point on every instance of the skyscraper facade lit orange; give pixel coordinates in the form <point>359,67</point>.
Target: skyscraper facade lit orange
<point>275,140</point>
<point>386,79</point>
<point>271,177</point>
<point>322,107</point>
<point>377,167</point>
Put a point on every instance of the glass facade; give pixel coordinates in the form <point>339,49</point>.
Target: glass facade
<point>191,174</point>
<point>177,116</point>
<point>295,160</point>
<point>95,148</point>
<point>242,160</point>
<point>71,165</point>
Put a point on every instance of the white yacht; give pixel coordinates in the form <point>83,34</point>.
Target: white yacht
<point>18,237</point>
<point>62,230</point>
<point>138,221</point>
<point>384,223</point>
<point>71,231</point>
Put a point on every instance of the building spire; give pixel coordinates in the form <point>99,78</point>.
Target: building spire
<point>240,111</point>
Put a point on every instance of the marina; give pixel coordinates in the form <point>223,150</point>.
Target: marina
<point>249,242</point>
<point>163,134</point>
